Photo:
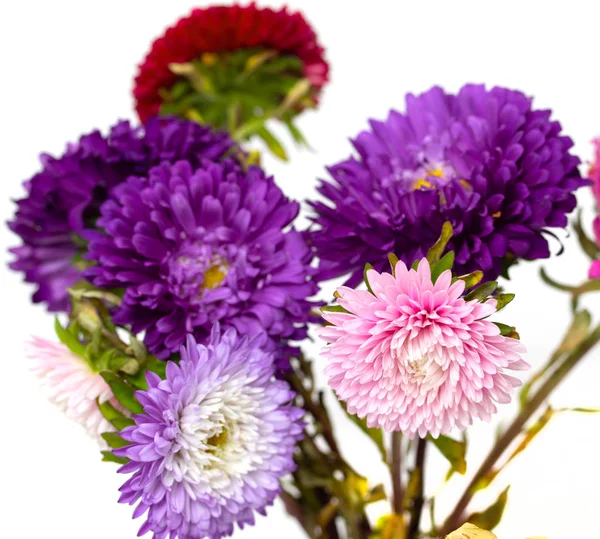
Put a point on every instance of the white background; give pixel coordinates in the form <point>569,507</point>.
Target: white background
<point>67,68</point>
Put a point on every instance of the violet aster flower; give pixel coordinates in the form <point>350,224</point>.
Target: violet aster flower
<point>485,160</point>
<point>414,356</point>
<point>214,440</point>
<point>63,199</point>
<point>192,247</point>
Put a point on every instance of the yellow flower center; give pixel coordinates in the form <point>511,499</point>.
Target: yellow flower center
<point>214,275</point>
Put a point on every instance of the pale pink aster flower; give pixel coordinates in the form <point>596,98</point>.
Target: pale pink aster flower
<point>71,384</point>
<point>414,356</point>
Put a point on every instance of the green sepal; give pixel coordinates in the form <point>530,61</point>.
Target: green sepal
<point>454,451</point>
<point>109,456</point>
<point>153,364</point>
<point>123,392</point>
<point>114,440</point>
<point>503,300</point>
<point>471,279</point>
<point>435,253</point>
<point>444,264</point>
<point>589,246</point>
<point>334,309</point>
<point>482,292</point>
<point>507,331</point>
<point>70,337</point>
<point>367,268</point>
<point>393,261</point>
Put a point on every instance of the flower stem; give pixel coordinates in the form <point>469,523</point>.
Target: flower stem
<point>417,507</point>
<point>516,427</point>
<point>396,463</point>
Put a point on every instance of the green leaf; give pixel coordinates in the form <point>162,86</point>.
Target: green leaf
<point>435,253</point>
<point>108,456</point>
<point>589,246</point>
<point>375,435</point>
<point>503,300</point>
<point>296,133</point>
<point>114,440</point>
<point>489,518</point>
<point>482,292</point>
<point>367,268</point>
<point>108,411</point>
<point>272,143</point>
<point>454,451</point>
<point>577,332</point>
<point>69,338</point>
<point>444,264</point>
<point>123,392</point>
<point>471,279</point>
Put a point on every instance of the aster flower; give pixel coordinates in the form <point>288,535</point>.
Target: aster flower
<point>214,440</point>
<point>72,385</point>
<point>63,199</point>
<point>413,355</point>
<point>234,66</point>
<point>192,247</point>
<point>499,170</point>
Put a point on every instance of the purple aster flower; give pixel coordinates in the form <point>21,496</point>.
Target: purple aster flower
<point>63,199</point>
<point>192,247</point>
<point>214,440</point>
<point>485,160</point>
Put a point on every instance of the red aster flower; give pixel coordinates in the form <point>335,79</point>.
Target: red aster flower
<point>205,41</point>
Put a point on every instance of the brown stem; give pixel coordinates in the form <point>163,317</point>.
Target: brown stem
<point>294,509</point>
<point>396,462</point>
<point>417,508</point>
<point>516,427</point>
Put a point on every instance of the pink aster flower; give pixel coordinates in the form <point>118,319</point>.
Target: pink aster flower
<point>71,384</point>
<point>415,356</point>
<point>594,172</point>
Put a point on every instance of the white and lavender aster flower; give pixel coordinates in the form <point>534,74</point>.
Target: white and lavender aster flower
<point>414,356</point>
<point>72,385</point>
<point>64,198</point>
<point>215,438</point>
<point>196,246</point>
<point>487,161</point>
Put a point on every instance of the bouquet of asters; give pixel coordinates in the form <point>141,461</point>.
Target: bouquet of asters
<point>184,292</point>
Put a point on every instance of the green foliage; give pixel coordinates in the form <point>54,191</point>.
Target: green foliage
<point>123,392</point>
<point>367,268</point>
<point>114,440</point>
<point>109,456</point>
<point>490,517</point>
<point>242,91</point>
<point>375,435</point>
<point>454,451</point>
<point>70,337</point>
<point>444,264</point>
<point>471,279</point>
<point>435,253</point>
<point>482,292</point>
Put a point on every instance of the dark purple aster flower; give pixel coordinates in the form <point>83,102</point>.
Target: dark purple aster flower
<point>213,442</point>
<point>498,169</point>
<point>192,247</point>
<point>64,198</point>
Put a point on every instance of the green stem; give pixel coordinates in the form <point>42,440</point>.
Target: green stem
<point>516,427</point>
